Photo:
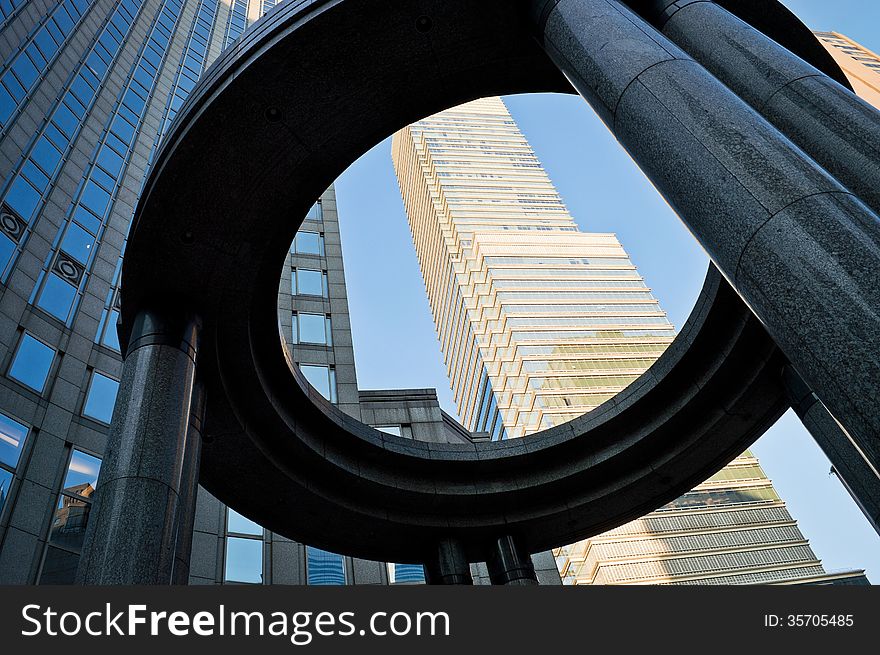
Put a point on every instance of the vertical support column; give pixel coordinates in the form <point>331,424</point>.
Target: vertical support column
<point>801,250</point>
<point>860,479</point>
<point>835,127</point>
<point>131,534</point>
<point>449,565</point>
<point>510,564</point>
<point>189,487</point>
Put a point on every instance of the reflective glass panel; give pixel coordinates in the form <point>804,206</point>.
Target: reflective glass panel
<point>401,573</point>
<point>82,474</point>
<point>235,522</point>
<point>57,297</point>
<point>5,484</point>
<point>69,523</point>
<point>312,328</point>
<point>32,363</point>
<point>324,568</point>
<point>309,243</point>
<point>244,560</point>
<point>101,398</point>
<point>309,282</point>
<point>12,436</point>
<point>320,378</point>
<point>77,243</point>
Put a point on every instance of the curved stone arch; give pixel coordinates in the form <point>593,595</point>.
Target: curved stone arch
<point>274,122</point>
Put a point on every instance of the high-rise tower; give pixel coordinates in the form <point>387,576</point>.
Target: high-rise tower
<point>540,323</point>
<point>88,89</point>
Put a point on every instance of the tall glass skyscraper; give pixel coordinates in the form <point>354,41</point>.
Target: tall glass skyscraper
<point>88,89</point>
<point>540,323</point>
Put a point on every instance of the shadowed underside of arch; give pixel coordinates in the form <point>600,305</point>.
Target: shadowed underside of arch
<point>272,124</point>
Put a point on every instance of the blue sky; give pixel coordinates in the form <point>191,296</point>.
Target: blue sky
<point>394,337</point>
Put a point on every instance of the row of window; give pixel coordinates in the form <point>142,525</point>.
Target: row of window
<point>547,283</point>
<point>32,364</point>
<point>244,559</point>
<point>691,543</point>
<point>584,335</point>
<point>192,63</point>
<point>27,187</point>
<point>24,70</point>
<point>72,504</point>
<point>57,289</point>
<point>594,349</point>
<point>704,564</point>
<point>8,7</point>
<point>237,21</point>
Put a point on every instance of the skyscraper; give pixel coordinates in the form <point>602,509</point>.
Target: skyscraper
<point>861,66</point>
<point>539,323</point>
<point>87,92</point>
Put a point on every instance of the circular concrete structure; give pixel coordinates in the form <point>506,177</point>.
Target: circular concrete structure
<point>272,124</point>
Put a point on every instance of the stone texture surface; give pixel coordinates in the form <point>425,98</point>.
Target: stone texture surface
<point>834,126</point>
<point>811,273</point>
<point>137,500</point>
<point>800,250</point>
<point>860,479</point>
<point>310,458</point>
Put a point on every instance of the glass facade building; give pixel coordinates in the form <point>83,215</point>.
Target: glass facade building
<point>540,322</point>
<point>88,89</point>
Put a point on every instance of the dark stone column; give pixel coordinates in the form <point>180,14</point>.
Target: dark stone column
<point>509,564</point>
<point>448,565</point>
<point>835,127</point>
<point>800,249</point>
<point>134,520</point>
<point>860,480</point>
<point>189,487</point>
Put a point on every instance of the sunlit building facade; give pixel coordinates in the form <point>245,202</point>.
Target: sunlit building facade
<point>540,322</point>
<point>861,66</point>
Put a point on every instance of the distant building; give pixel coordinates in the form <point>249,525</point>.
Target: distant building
<point>862,66</point>
<point>540,322</point>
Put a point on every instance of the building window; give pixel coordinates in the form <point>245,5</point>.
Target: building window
<point>244,560</point>
<point>238,524</point>
<point>309,282</point>
<point>406,574</point>
<point>12,437</point>
<point>316,212</point>
<point>71,518</point>
<point>101,398</point>
<point>390,429</point>
<point>32,362</point>
<point>323,378</point>
<point>244,550</point>
<point>57,297</point>
<point>308,243</point>
<point>323,568</point>
<point>312,328</point>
